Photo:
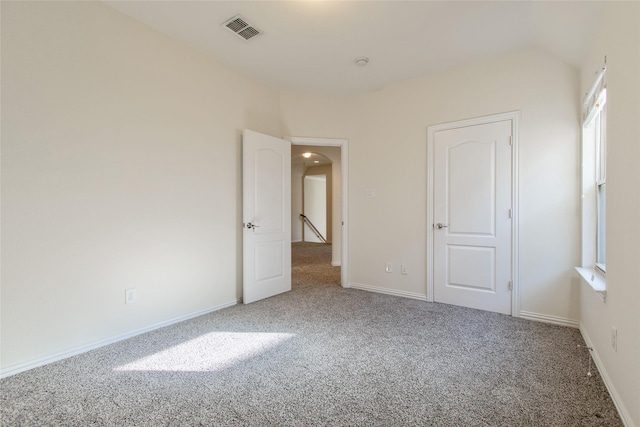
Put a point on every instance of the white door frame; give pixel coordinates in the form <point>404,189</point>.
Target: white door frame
<point>514,116</point>
<point>344,178</point>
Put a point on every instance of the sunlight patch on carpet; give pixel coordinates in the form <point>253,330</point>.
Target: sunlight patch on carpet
<point>210,352</point>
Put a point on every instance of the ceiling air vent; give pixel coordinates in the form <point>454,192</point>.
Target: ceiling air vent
<point>242,28</point>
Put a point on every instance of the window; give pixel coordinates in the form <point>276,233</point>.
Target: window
<point>599,123</point>
<point>594,186</point>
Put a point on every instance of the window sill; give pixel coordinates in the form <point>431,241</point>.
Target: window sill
<point>596,281</point>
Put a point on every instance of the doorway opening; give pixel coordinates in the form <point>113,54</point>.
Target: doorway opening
<point>319,196</point>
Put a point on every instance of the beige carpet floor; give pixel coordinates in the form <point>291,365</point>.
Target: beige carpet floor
<point>311,263</point>
<point>323,355</point>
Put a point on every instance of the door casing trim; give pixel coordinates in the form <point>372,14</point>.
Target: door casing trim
<point>514,116</point>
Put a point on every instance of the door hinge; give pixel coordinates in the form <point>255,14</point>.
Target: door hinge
<point>510,285</point>
<point>510,214</point>
<point>510,140</point>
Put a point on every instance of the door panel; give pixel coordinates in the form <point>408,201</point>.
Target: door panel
<point>472,267</point>
<point>269,187</point>
<point>474,165</point>
<point>269,260</point>
<point>266,216</point>
<point>472,202</point>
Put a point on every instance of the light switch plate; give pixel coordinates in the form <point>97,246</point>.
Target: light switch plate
<point>130,296</point>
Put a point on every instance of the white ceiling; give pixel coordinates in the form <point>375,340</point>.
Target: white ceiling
<point>311,45</point>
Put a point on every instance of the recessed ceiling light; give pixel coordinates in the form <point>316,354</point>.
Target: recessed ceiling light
<point>306,155</point>
<point>316,161</point>
<point>361,61</point>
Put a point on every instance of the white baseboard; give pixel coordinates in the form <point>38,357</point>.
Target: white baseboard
<point>405,294</point>
<point>296,241</point>
<point>336,263</point>
<point>562,321</point>
<point>45,360</point>
<point>615,396</point>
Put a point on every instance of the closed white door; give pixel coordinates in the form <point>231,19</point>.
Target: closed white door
<point>472,216</point>
<point>266,213</point>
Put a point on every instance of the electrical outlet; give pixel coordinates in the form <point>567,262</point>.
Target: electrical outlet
<point>614,339</point>
<point>369,193</point>
<point>130,296</point>
<point>389,268</point>
<point>404,270</point>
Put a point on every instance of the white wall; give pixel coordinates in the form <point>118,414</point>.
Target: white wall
<point>326,171</point>
<point>618,37</point>
<point>387,132</point>
<point>315,206</point>
<point>120,169</point>
<point>297,174</point>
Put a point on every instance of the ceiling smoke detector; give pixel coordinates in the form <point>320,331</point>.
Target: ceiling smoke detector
<point>242,28</point>
<point>361,61</point>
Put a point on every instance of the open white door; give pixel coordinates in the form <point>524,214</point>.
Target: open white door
<point>266,216</point>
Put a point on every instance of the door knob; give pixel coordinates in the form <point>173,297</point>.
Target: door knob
<point>249,225</point>
<point>440,225</point>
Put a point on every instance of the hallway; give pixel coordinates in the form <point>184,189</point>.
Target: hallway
<point>311,265</point>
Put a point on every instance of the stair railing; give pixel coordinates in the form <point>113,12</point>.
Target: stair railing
<point>313,228</point>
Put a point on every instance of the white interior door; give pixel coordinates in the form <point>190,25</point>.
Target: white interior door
<point>472,216</point>
<point>266,213</point>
